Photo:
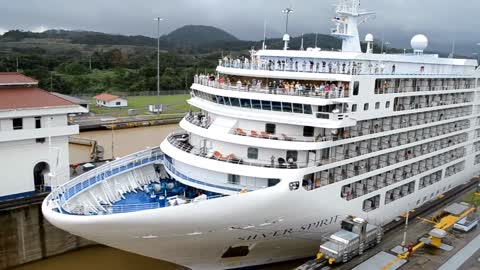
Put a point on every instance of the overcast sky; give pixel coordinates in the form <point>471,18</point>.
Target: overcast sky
<point>397,20</point>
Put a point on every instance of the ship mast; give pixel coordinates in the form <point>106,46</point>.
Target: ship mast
<point>349,17</point>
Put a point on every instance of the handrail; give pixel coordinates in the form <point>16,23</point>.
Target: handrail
<point>82,209</point>
<point>103,172</point>
<point>324,94</point>
<point>319,68</point>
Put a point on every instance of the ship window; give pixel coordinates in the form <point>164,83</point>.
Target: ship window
<point>233,252</point>
<point>256,104</point>
<point>292,156</point>
<point>252,153</point>
<point>356,88</point>
<point>365,107</point>
<point>308,131</point>
<point>17,123</point>
<point>297,108</point>
<point>387,105</point>
<point>307,109</point>
<point>38,122</point>
<point>235,102</point>
<point>246,103</point>
<point>266,105</point>
<point>287,107</point>
<point>354,107</point>
<point>234,179</point>
<point>377,105</point>
<point>273,182</point>
<point>220,100</point>
<point>227,101</point>
<point>277,106</point>
<point>270,128</point>
<point>40,140</point>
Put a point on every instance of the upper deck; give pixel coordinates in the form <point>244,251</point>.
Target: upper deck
<point>332,65</point>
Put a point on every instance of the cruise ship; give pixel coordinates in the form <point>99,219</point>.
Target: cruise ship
<point>282,146</point>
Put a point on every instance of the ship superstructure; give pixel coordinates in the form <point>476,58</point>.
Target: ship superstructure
<point>286,144</point>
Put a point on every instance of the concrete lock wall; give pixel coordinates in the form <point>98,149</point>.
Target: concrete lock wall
<point>25,236</point>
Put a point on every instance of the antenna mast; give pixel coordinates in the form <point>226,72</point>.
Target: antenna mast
<point>286,37</point>
<point>264,47</point>
<point>349,16</point>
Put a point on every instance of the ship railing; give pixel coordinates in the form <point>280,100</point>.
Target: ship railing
<point>275,162</point>
<point>331,67</point>
<point>90,209</point>
<point>410,89</point>
<point>275,137</point>
<point>199,120</point>
<point>67,191</point>
<point>303,92</point>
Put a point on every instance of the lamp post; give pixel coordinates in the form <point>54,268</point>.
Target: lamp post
<point>158,19</point>
<point>287,11</point>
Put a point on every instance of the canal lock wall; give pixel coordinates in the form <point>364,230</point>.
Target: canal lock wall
<point>26,236</point>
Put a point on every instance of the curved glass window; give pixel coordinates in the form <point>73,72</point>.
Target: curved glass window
<point>277,106</point>
<point>266,105</point>
<point>246,103</point>
<point>297,108</point>
<point>256,104</point>
<point>287,107</point>
<point>235,102</point>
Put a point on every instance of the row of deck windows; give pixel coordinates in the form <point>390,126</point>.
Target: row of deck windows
<point>265,105</point>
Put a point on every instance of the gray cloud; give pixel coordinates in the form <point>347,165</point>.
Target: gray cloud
<point>397,20</point>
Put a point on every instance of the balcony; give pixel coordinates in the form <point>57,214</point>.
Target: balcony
<point>181,142</point>
<point>199,120</point>
<point>321,92</point>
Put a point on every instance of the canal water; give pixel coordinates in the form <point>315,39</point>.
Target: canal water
<point>123,142</point>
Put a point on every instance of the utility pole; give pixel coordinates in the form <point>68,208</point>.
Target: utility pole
<point>17,64</point>
<point>51,82</point>
<point>158,19</point>
<point>90,63</point>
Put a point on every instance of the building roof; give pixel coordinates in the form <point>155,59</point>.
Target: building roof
<point>106,97</point>
<point>71,99</point>
<point>30,98</point>
<point>14,78</point>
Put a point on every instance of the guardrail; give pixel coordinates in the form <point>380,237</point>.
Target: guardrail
<point>67,191</point>
<point>318,93</point>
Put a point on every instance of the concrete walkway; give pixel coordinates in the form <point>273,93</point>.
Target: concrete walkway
<point>462,256</point>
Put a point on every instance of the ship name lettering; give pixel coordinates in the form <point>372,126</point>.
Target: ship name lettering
<point>278,233</point>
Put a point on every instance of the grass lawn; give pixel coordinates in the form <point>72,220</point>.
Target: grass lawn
<point>171,104</point>
<point>471,198</point>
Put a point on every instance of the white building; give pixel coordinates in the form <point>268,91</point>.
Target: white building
<point>110,101</point>
<point>33,137</point>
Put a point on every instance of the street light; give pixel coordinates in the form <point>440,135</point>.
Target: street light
<point>158,19</point>
<point>287,11</point>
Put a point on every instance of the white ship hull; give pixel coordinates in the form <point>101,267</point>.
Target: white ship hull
<point>280,224</point>
<point>286,144</point>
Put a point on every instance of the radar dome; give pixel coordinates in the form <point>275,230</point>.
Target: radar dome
<point>369,38</point>
<point>419,43</point>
